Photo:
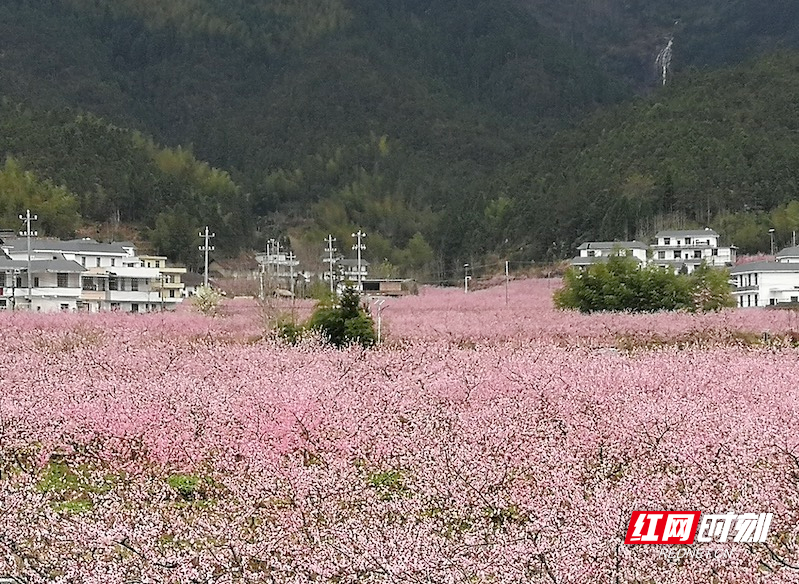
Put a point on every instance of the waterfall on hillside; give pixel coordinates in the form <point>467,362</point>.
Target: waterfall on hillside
<point>663,60</point>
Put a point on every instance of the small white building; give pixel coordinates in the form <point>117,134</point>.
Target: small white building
<point>689,248</point>
<point>592,252</point>
<point>55,284</point>
<point>789,255</point>
<point>767,283</point>
<point>352,270</point>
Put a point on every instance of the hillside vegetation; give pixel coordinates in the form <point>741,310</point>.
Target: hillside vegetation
<point>715,148</point>
<point>429,125</point>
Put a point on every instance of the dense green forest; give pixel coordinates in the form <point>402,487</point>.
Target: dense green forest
<point>715,148</point>
<point>450,131</point>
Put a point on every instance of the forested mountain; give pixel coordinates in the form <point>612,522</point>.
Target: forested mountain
<point>447,130</point>
<point>717,148</point>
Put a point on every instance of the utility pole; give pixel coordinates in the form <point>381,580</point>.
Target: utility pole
<point>379,303</point>
<point>771,234</point>
<point>206,248</point>
<point>290,259</point>
<point>14,274</point>
<point>27,218</point>
<point>360,247</point>
<point>329,260</point>
<point>466,278</point>
<point>507,277</point>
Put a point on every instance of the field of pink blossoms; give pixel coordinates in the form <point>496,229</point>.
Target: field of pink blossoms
<point>481,443</point>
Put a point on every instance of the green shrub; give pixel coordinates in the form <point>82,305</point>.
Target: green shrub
<point>345,323</point>
<point>621,285</point>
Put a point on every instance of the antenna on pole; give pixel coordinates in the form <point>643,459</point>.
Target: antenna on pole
<point>329,259</point>
<point>359,247</point>
<point>27,218</point>
<point>206,248</point>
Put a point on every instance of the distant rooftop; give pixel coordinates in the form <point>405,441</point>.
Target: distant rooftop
<point>70,246</point>
<point>613,245</point>
<point>38,266</point>
<point>789,252</point>
<point>706,232</point>
<point>587,261</point>
<point>764,267</point>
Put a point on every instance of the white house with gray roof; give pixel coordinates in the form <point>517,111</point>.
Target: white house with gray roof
<point>789,255</point>
<point>675,249</point>
<point>767,283</point>
<point>687,249</point>
<point>592,252</point>
<point>55,284</point>
<point>83,274</point>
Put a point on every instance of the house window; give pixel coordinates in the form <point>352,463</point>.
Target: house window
<point>794,298</point>
<point>98,262</point>
<point>661,255</point>
<point>591,253</point>
<point>113,283</point>
<point>676,255</point>
<point>697,254</point>
<point>2,279</point>
<point>134,284</point>
<point>687,241</point>
<point>134,308</point>
<point>755,279</point>
<point>772,301</point>
<point>62,280</point>
<point>35,281</point>
<point>19,281</point>
<point>83,261</point>
<point>755,299</point>
<point>113,262</point>
<point>715,252</point>
<point>171,293</point>
<point>667,241</point>
<point>65,307</point>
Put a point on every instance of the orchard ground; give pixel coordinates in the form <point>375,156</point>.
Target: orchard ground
<point>483,442</point>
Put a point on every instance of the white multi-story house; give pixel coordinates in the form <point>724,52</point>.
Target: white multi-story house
<point>767,283</point>
<point>677,250</point>
<point>687,249</point>
<point>82,274</point>
<point>592,252</point>
<point>55,284</point>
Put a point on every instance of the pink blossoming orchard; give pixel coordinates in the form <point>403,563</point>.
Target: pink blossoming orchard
<point>481,443</point>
